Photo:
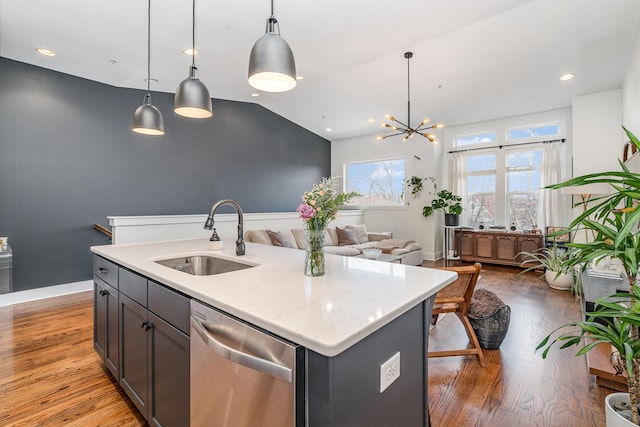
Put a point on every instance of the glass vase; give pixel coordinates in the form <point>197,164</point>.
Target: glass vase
<point>314,257</point>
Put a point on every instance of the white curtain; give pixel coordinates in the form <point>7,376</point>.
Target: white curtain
<point>458,179</point>
<point>550,203</point>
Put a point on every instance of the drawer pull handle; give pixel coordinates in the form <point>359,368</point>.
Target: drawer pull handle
<point>145,325</point>
<point>103,270</point>
<point>103,292</point>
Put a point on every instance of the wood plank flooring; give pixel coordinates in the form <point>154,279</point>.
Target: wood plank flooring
<point>49,373</point>
<point>518,387</point>
<point>51,376</point>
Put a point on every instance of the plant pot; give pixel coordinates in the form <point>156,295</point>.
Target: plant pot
<point>614,419</point>
<point>561,283</point>
<point>451,220</point>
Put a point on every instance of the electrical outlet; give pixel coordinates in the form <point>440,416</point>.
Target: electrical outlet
<point>389,371</point>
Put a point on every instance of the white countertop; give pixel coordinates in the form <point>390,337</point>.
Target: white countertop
<point>326,314</point>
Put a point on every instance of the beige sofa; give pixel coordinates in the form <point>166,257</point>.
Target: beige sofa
<point>349,240</point>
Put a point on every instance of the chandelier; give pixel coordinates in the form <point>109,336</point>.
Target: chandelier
<point>406,129</point>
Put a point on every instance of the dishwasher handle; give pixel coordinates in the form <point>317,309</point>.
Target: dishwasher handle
<point>256,363</point>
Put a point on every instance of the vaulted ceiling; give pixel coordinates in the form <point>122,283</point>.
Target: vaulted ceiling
<point>473,60</point>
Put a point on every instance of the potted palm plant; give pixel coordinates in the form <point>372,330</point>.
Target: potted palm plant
<point>554,261</point>
<point>614,219</point>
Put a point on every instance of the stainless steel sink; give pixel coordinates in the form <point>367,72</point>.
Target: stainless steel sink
<point>203,265</point>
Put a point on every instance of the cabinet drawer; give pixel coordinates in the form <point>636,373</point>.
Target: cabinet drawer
<point>105,270</point>
<point>169,305</point>
<point>134,286</point>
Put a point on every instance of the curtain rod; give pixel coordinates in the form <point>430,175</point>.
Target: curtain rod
<point>562,140</point>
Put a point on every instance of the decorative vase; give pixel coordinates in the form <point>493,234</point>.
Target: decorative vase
<point>613,418</point>
<point>314,257</point>
<point>451,220</point>
<point>561,283</point>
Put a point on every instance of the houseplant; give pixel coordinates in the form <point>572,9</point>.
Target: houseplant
<point>614,220</point>
<point>448,203</point>
<point>318,208</point>
<point>557,274</point>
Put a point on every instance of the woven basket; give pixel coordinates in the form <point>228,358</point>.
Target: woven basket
<point>491,323</point>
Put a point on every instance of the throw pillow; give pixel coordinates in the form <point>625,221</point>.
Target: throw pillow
<point>278,239</point>
<point>361,232</point>
<point>346,237</point>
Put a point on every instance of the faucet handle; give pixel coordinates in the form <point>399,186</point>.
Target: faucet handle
<point>240,247</point>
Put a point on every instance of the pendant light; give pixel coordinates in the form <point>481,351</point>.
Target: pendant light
<point>192,96</point>
<point>406,129</point>
<point>147,119</point>
<point>271,64</point>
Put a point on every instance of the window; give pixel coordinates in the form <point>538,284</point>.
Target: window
<point>381,183</point>
<point>523,184</point>
<point>476,138</point>
<point>481,189</point>
<point>533,132</point>
<point>502,187</point>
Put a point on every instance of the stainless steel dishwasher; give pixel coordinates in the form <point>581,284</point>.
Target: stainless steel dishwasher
<point>242,376</point>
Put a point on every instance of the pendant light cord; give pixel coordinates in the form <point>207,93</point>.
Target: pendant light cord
<point>408,55</point>
<point>149,47</point>
<point>193,34</point>
<point>271,7</point>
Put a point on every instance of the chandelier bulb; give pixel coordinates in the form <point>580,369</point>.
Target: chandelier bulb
<point>394,127</point>
<point>425,121</point>
<point>379,137</point>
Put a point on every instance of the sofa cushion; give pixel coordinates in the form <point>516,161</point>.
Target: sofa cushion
<point>278,239</point>
<point>257,236</point>
<point>346,236</point>
<point>341,250</point>
<point>333,237</point>
<point>301,240</point>
<point>361,232</point>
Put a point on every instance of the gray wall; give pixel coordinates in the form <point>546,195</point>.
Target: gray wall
<point>68,159</point>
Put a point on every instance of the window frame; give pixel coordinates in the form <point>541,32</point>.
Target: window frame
<point>403,196</point>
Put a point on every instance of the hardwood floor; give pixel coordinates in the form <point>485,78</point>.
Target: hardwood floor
<point>518,387</point>
<point>49,373</point>
<point>51,376</point>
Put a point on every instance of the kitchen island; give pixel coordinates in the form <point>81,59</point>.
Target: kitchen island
<point>349,321</point>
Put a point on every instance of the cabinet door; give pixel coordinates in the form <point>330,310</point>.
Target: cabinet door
<point>169,372</point>
<point>99,317</point>
<point>506,249</point>
<point>134,357</point>
<point>484,247</point>
<point>112,340</point>
<point>529,244</point>
<point>466,241</point>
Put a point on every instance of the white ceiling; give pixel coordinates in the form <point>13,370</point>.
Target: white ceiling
<point>473,60</point>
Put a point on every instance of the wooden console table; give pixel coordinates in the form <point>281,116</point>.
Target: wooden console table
<point>496,247</point>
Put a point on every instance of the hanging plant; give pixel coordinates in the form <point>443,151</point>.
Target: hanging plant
<point>416,184</point>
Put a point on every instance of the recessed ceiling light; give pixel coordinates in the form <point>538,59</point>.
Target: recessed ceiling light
<point>299,77</point>
<point>45,52</point>
<point>371,121</point>
<point>329,130</point>
<point>567,76</point>
<point>190,51</point>
<point>152,80</point>
<point>255,94</point>
<point>113,61</point>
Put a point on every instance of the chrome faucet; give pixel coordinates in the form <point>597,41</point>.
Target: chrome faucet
<point>240,247</point>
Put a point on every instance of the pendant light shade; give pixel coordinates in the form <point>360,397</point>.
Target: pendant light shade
<point>147,119</point>
<point>192,96</point>
<point>272,67</point>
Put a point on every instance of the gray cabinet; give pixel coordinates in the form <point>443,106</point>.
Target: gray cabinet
<point>344,390</point>
<point>155,354</point>
<point>141,332</point>
<point>105,315</point>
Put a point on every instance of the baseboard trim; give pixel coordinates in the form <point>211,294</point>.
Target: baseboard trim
<point>45,292</point>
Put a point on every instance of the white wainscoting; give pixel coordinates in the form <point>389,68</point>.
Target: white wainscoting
<point>141,229</point>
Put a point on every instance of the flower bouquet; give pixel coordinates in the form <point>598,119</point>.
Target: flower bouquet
<point>319,207</point>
